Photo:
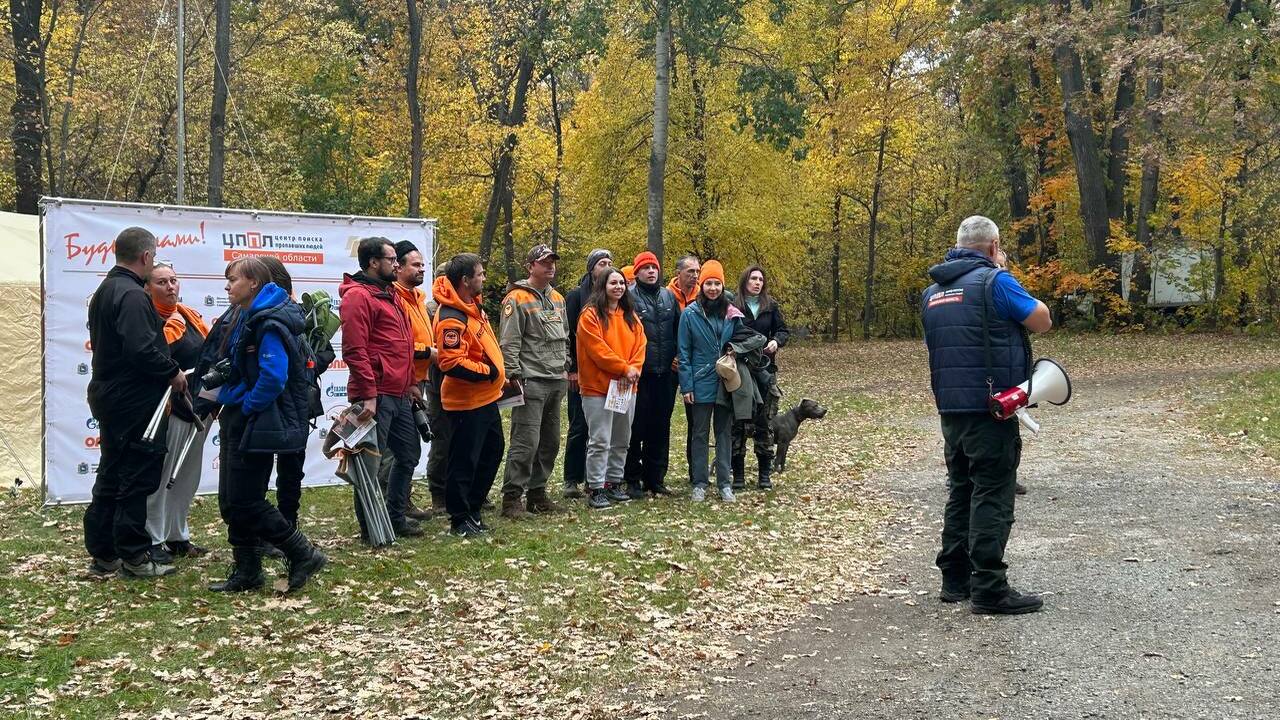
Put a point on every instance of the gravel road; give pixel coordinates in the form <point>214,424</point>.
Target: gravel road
<point>1154,546</point>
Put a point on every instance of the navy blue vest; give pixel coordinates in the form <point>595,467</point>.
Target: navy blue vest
<point>284,425</point>
<point>952,310</point>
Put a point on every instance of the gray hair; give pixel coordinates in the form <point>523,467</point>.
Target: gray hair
<point>684,260</point>
<point>977,232</point>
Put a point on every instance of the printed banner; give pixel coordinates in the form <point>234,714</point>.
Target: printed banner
<point>78,237</point>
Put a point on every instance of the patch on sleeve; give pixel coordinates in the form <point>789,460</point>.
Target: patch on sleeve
<point>508,308</point>
<point>946,297</point>
<point>452,338</point>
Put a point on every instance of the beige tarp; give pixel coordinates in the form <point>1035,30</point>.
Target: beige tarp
<point>20,383</point>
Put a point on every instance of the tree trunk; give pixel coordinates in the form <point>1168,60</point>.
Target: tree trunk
<point>559,170</point>
<point>835,266</point>
<point>415,109</point>
<point>1118,151</point>
<point>28,124</point>
<point>698,162</point>
<point>661,109</point>
<point>508,236</point>
<point>505,167</point>
<point>1148,193</point>
<point>869,301</point>
<point>1084,151</point>
<point>73,70</point>
<point>218,112</point>
<point>1015,170</point>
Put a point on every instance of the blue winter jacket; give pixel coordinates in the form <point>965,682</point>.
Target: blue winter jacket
<point>272,376</point>
<point>700,342</point>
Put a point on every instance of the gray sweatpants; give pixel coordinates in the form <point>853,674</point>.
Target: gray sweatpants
<point>608,435</point>
<point>167,508</point>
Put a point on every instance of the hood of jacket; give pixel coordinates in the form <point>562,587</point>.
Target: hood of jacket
<point>443,292</point>
<point>360,279</point>
<point>957,263</point>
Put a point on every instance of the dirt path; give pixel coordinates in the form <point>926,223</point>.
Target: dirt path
<point>1157,551</point>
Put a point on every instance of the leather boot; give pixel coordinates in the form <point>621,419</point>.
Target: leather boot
<point>246,573</point>
<point>437,503</point>
<point>766,465</point>
<point>512,508</point>
<point>304,559</point>
<point>538,503</point>
<point>739,463</point>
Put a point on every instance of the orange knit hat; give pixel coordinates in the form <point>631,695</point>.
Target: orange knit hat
<point>711,269</point>
<point>629,272</point>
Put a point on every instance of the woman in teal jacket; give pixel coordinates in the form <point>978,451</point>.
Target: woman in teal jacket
<point>706,326</point>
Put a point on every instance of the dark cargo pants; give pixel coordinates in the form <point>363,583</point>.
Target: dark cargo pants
<point>982,456</point>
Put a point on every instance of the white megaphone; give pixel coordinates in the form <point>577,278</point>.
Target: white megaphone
<point>1049,383</point>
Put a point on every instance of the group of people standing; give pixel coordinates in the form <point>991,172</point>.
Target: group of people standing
<point>255,370</point>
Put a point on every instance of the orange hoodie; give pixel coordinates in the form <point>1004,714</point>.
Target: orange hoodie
<point>414,303</point>
<point>684,300</point>
<point>469,355</point>
<point>606,354</point>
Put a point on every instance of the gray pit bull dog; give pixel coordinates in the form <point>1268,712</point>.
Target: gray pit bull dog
<point>787,425</point>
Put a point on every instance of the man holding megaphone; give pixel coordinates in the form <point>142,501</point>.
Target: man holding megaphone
<point>976,317</point>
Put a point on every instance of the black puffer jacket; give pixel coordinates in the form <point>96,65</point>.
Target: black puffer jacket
<point>573,301</point>
<point>769,324</point>
<point>660,314</point>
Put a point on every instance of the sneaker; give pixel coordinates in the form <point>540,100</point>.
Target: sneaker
<point>413,512</point>
<point>954,592</point>
<point>699,494</point>
<point>147,568</point>
<point>660,489</point>
<point>739,482</point>
<point>1011,602</point>
<point>161,554</point>
<point>636,492</point>
<point>1019,488</point>
<point>407,528</point>
<point>598,500</point>
<point>466,530</point>
<point>480,524</point>
<point>616,494</point>
<point>102,569</point>
<point>726,495</point>
<point>572,491</point>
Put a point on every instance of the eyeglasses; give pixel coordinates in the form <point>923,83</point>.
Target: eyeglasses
<point>163,264</point>
<point>392,258</point>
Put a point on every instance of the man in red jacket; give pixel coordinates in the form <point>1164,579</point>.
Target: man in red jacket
<point>377,345</point>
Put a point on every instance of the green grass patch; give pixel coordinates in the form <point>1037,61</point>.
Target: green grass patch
<point>1246,406</point>
<point>552,607</point>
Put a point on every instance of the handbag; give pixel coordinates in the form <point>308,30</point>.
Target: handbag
<point>727,369</point>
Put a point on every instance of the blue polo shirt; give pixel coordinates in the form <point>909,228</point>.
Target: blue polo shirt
<point>1011,300</point>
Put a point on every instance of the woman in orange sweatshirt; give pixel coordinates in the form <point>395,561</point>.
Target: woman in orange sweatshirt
<point>611,345</point>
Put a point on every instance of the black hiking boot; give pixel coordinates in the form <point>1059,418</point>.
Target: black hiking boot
<point>304,559</point>
<point>246,573</point>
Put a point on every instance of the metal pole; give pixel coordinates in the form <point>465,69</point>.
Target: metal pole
<point>182,113</point>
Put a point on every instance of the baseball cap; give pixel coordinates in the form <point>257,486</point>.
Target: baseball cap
<point>540,252</point>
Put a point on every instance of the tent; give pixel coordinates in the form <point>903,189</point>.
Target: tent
<point>21,383</point>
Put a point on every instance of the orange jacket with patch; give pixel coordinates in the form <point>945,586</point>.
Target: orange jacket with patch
<point>684,300</point>
<point>414,303</point>
<point>606,354</point>
<point>467,351</point>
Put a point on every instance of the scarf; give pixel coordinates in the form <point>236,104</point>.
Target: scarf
<point>176,327</point>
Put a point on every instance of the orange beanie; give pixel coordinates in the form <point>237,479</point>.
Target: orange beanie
<point>711,269</point>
